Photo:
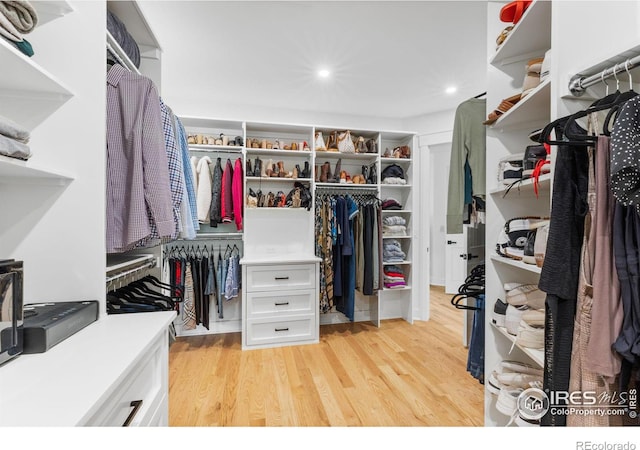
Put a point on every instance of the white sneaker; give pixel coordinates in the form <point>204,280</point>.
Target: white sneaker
<point>526,294</point>
<point>507,402</point>
<point>529,336</point>
<point>513,318</point>
<point>518,380</point>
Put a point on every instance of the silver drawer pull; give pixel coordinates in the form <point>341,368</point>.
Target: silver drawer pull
<point>282,303</point>
<point>282,329</point>
<point>282,278</point>
<point>136,404</point>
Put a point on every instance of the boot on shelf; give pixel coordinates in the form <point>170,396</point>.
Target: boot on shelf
<point>257,168</point>
<point>282,173</point>
<point>267,169</point>
<point>336,172</point>
<point>248,170</point>
<point>325,174</point>
<point>305,172</point>
<point>317,174</point>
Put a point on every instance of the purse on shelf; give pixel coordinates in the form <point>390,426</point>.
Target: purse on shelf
<point>345,143</point>
<point>332,142</point>
<point>372,146</point>
<point>359,143</point>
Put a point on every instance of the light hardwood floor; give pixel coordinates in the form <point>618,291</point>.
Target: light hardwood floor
<point>358,375</point>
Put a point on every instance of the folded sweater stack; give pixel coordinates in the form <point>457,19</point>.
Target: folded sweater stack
<point>392,251</point>
<point>394,226</point>
<point>394,277</point>
<point>17,18</point>
<point>14,140</point>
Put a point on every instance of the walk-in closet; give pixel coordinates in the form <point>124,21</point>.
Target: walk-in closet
<point>319,214</point>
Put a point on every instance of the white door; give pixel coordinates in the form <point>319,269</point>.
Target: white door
<point>455,265</point>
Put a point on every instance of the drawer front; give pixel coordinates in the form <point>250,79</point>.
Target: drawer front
<point>294,329</point>
<point>280,303</point>
<point>275,277</point>
<point>137,397</point>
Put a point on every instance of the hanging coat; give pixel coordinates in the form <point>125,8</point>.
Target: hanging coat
<point>216,195</point>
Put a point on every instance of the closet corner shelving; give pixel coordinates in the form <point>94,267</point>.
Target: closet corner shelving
<point>50,10</point>
<point>530,38</point>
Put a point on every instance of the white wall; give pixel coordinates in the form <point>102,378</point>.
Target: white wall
<point>59,231</point>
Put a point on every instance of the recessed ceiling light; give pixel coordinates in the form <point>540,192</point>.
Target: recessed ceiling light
<point>451,90</point>
<point>324,73</point>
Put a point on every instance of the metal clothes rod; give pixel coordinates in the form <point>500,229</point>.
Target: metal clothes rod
<point>146,265</point>
<point>579,83</point>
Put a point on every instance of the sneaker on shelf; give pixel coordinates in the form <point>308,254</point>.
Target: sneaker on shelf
<point>540,245</point>
<point>528,255</point>
<point>525,294</point>
<point>534,317</point>
<point>518,380</point>
<point>511,173</point>
<point>494,385</point>
<point>530,336</point>
<point>507,402</point>
<point>513,318</point>
<point>499,313</point>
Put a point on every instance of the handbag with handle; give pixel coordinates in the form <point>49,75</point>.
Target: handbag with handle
<point>372,146</point>
<point>345,143</point>
<point>332,142</point>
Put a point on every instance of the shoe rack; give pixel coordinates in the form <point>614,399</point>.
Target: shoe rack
<point>530,38</point>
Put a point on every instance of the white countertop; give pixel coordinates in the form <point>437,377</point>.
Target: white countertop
<point>62,386</point>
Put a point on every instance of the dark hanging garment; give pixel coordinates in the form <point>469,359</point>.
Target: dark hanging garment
<point>559,276</point>
<point>227,193</point>
<point>369,223</point>
<point>216,193</point>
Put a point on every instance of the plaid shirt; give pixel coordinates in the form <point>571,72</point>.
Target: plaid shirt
<point>188,175</point>
<point>175,163</point>
<point>138,192</point>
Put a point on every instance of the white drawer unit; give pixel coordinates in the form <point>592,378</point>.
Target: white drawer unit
<point>261,304</point>
<point>280,276</point>
<point>290,330</point>
<point>280,303</point>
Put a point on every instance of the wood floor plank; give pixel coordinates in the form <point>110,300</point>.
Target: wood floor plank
<point>358,375</point>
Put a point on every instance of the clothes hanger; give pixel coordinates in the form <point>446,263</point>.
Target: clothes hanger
<point>624,97</point>
<point>545,134</point>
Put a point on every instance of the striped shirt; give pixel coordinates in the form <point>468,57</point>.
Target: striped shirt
<point>188,175</point>
<point>138,193</point>
<point>175,163</point>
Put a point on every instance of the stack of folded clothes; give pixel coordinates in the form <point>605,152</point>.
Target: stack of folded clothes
<point>13,140</point>
<point>122,36</point>
<point>394,226</point>
<point>391,203</point>
<point>392,251</point>
<point>17,18</point>
<point>394,277</point>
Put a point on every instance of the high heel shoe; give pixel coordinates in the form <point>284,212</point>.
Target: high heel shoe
<point>282,173</point>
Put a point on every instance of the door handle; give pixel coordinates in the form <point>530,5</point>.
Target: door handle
<point>451,242</point>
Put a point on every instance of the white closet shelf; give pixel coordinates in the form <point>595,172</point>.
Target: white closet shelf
<point>396,263</point>
<point>404,288</point>
<point>130,14</point>
<point>544,183</point>
<point>533,108</point>
<point>274,208</point>
<point>536,355</point>
<point>122,263</point>
<point>24,82</point>
<point>396,211</point>
<point>213,148</point>
<point>396,237</point>
<point>389,185</point>
<point>515,263</point>
<point>347,186</point>
<point>23,172</point>
<point>51,10</point>
<point>125,61</point>
<point>204,236</point>
<point>268,151</point>
<point>396,160</point>
<point>531,35</point>
<point>336,155</point>
<point>278,179</point>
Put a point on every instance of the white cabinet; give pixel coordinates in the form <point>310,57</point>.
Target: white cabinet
<point>280,303</point>
<point>530,38</point>
<point>93,377</point>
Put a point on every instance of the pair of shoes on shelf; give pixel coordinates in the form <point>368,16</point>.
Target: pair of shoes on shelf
<point>504,106</point>
<point>513,374</point>
<point>536,246</point>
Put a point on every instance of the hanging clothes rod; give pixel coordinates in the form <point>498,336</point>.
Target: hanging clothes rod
<point>579,83</point>
<point>121,275</point>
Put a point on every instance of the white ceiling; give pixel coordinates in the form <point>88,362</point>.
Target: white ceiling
<point>389,59</point>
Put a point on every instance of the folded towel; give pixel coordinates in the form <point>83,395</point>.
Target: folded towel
<point>21,14</point>
<point>395,285</point>
<point>393,269</point>
<point>12,130</point>
<point>394,230</point>
<point>14,149</point>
